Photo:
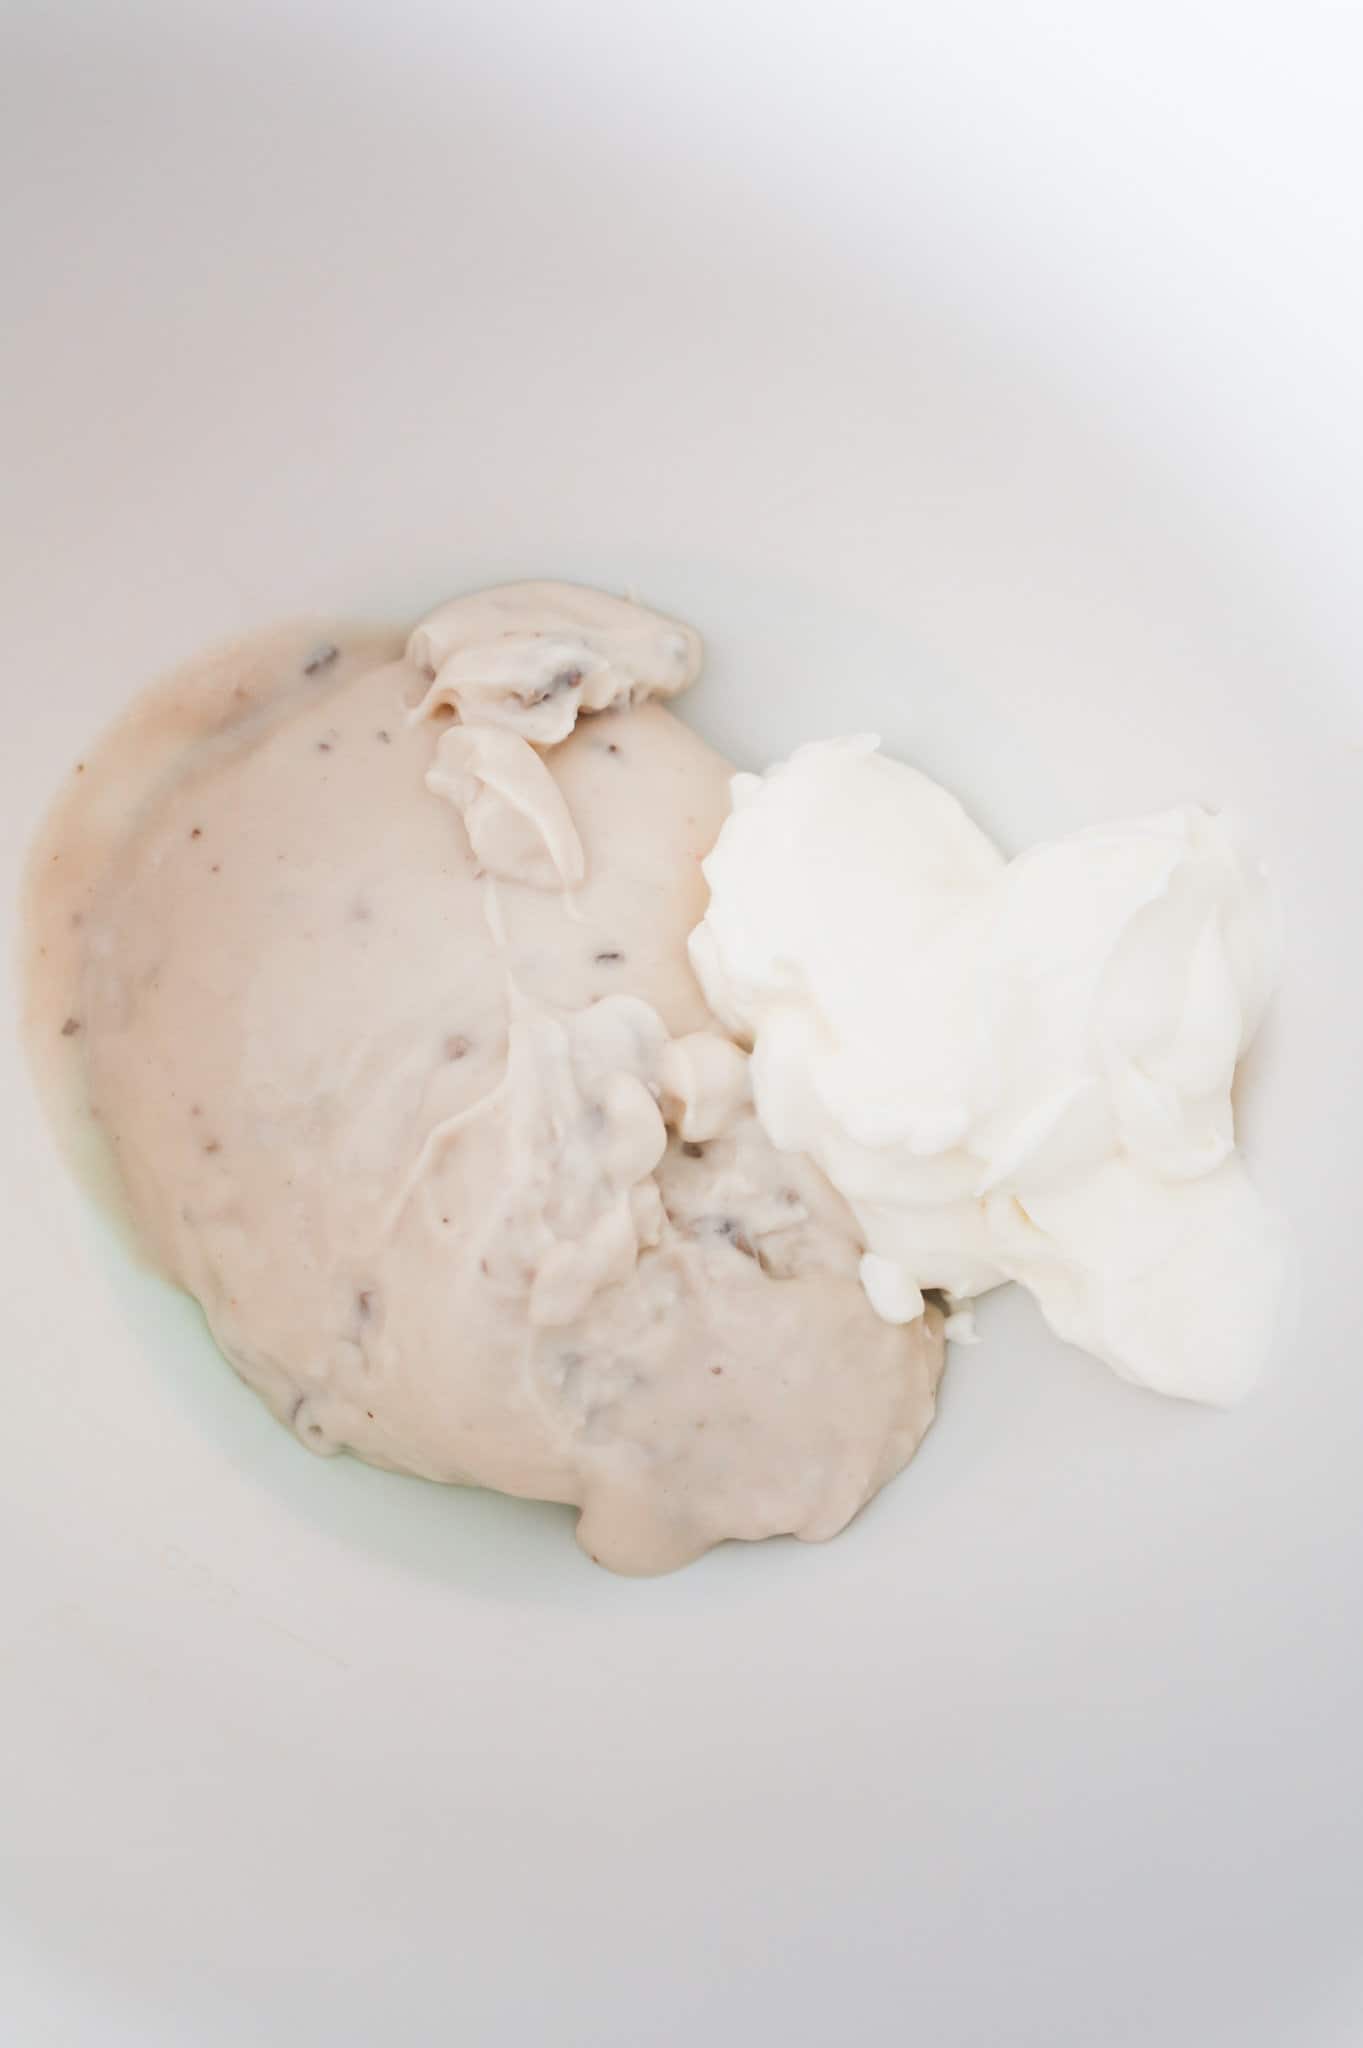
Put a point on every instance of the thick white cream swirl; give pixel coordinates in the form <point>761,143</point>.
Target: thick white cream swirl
<point>1011,1069</point>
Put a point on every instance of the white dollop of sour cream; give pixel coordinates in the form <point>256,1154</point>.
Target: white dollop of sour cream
<point>1012,1070</point>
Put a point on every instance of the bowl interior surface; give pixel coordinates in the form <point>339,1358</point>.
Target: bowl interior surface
<point>979,376</point>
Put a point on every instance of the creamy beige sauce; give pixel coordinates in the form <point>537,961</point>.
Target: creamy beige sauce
<point>370,967</point>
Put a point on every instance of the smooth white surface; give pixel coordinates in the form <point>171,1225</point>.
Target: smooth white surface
<point>997,364</point>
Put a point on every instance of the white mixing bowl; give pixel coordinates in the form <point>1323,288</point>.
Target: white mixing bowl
<point>983,373</point>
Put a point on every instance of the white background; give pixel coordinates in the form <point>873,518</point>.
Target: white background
<point>984,372</point>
